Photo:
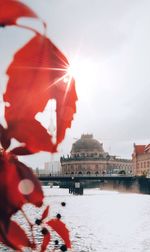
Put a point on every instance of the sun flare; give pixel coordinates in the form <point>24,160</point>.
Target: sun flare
<point>84,72</point>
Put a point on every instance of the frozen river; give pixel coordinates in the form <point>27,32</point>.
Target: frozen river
<point>101,221</point>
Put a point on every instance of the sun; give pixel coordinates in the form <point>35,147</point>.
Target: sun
<point>84,73</point>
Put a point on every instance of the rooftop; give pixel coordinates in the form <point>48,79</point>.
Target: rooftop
<point>87,144</point>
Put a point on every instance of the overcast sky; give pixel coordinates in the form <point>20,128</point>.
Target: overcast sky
<point>110,40</point>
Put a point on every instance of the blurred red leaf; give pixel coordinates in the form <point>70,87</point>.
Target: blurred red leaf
<point>4,139</point>
<point>18,186</point>
<point>60,228</point>
<point>46,240</point>
<point>45,213</point>
<point>38,73</point>
<point>17,236</point>
<point>20,151</point>
<point>2,234</point>
<point>14,236</point>
<point>11,10</point>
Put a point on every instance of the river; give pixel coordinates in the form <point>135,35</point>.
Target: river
<point>101,221</point>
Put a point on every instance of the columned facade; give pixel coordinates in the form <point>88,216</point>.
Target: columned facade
<point>87,156</point>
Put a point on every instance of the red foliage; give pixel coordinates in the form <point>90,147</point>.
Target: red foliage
<point>11,10</point>
<point>45,213</point>
<point>4,139</point>
<point>46,240</point>
<point>14,236</point>
<point>14,177</point>
<point>60,228</point>
<point>35,76</point>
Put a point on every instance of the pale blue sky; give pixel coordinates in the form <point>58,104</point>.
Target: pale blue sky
<point>113,38</point>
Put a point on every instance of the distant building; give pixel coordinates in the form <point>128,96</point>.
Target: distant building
<point>141,159</point>
<point>87,156</point>
<point>50,168</point>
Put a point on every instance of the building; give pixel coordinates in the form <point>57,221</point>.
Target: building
<point>141,159</point>
<point>53,167</point>
<point>50,168</point>
<point>87,156</point>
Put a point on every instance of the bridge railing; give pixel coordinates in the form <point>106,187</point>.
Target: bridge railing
<point>84,175</point>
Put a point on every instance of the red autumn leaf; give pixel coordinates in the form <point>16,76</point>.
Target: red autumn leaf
<point>38,73</point>
<point>46,240</point>
<point>4,139</point>
<point>60,228</point>
<point>14,236</point>
<point>45,213</point>
<point>30,188</point>
<point>3,236</point>
<point>17,236</point>
<point>18,186</point>
<point>11,10</point>
<point>20,151</point>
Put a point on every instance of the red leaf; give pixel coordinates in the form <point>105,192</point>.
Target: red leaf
<point>11,10</point>
<point>45,213</point>
<point>29,192</point>
<point>2,235</point>
<point>46,240</point>
<point>4,139</point>
<point>20,151</point>
<point>61,229</point>
<point>18,186</point>
<point>14,236</point>
<point>17,236</point>
<point>35,76</point>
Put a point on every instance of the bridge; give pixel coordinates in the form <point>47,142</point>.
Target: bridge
<point>119,182</point>
<point>77,182</point>
<point>85,177</point>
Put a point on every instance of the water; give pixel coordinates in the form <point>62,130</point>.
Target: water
<point>103,221</point>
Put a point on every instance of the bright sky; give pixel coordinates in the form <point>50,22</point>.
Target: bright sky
<point>107,43</point>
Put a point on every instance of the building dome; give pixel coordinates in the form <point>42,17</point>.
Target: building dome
<point>88,157</point>
<point>87,144</point>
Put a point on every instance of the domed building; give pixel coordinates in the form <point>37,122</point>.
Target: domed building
<point>87,156</point>
<point>87,146</point>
